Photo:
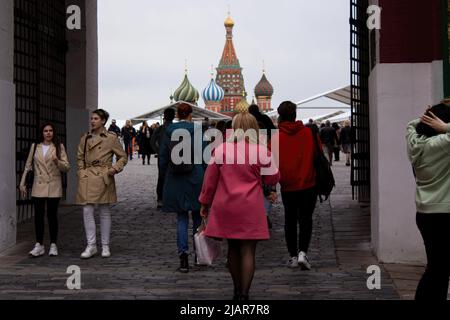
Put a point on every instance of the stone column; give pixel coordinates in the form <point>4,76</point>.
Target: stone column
<point>8,218</point>
<point>406,79</point>
<point>82,83</point>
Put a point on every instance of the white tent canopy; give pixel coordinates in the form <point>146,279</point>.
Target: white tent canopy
<point>199,114</point>
<point>342,95</point>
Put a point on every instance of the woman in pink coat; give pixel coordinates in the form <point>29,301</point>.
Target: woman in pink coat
<point>232,198</point>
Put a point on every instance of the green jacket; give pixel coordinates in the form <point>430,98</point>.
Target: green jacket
<point>430,158</point>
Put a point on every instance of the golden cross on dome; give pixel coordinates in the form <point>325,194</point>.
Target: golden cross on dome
<point>264,66</point>
<point>186,66</point>
<point>212,71</point>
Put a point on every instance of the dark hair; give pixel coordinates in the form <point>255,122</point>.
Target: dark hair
<point>441,111</point>
<point>169,114</point>
<point>229,124</point>
<point>104,115</point>
<point>221,126</point>
<point>287,111</point>
<point>184,110</point>
<point>55,139</point>
<point>254,110</point>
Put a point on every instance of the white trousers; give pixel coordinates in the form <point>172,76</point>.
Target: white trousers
<point>89,224</point>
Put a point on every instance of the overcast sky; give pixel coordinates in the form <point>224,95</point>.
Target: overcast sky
<point>143,45</point>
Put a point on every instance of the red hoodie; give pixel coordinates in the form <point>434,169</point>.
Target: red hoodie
<point>296,156</point>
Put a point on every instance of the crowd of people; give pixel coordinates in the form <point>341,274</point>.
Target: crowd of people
<point>211,191</point>
<point>232,192</point>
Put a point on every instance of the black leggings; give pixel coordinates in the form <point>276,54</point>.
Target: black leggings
<point>436,236</point>
<point>299,208</point>
<point>52,216</point>
<point>241,264</point>
<point>146,156</point>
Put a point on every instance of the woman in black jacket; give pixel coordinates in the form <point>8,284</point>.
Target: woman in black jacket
<point>145,148</point>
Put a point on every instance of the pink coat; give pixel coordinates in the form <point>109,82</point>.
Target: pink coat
<point>234,192</point>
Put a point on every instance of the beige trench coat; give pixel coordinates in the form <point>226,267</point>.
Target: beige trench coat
<point>95,186</point>
<point>47,174</point>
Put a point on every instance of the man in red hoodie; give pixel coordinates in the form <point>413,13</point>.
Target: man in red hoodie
<point>293,149</point>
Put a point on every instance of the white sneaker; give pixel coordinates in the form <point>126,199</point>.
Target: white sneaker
<point>38,251</point>
<point>293,262</point>
<point>89,252</point>
<point>106,252</point>
<point>53,250</point>
<point>303,261</point>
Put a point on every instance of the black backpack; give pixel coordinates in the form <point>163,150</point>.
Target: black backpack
<point>182,168</point>
<point>325,182</point>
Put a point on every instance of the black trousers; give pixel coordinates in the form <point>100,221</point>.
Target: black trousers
<point>299,208</point>
<point>128,148</point>
<point>337,154</point>
<point>435,230</point>
<point>40,206</point>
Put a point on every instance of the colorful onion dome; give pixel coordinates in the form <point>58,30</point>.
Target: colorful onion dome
<point>186,92</point>
<point>264,88</point>
<point>213,92</point>
<point>243,105</point>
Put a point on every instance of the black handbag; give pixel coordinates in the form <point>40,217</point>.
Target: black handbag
<point>325,182</point>
<point>29,179</point>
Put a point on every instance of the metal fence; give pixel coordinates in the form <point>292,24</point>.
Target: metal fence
<point>360,70</point>
<point>39,76</point>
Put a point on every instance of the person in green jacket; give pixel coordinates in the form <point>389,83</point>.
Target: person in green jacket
<point>428,140</point>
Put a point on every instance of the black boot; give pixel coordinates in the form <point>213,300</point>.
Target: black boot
<point>184,263</point>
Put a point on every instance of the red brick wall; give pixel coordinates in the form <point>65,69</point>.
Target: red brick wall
<point>411,31</point>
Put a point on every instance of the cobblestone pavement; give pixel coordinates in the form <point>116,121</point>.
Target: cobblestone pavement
<point>144,260</point>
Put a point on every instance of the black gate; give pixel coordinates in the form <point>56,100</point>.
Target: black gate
<point>360,70</point>
<point>39,76</point>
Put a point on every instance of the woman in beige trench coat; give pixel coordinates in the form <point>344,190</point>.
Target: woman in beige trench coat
<point>47,159</point>
<point>96,184</point>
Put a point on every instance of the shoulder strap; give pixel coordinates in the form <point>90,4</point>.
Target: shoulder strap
<point>34,154</point>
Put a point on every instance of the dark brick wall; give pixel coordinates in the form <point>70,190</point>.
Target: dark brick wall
<point>411,31</point>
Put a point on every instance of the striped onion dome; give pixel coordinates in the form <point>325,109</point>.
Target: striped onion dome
<point>264,88</point>
<point>213,92</point>
<point>243,105</point>
<point>186,92</point>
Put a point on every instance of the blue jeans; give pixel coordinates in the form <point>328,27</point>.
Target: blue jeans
<point>267,206</point>
<point>183,227</point>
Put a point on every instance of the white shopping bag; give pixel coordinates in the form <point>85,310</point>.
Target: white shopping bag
<point>207,249</point>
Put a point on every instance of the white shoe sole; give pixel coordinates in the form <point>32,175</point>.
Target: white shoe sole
<point>305,266</point>
<point>36,256</point>
<point>89,257</point>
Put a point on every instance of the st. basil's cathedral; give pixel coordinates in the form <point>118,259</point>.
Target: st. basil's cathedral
<point>226,94</point>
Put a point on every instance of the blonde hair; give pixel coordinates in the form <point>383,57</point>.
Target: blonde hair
<point>246,127</point>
